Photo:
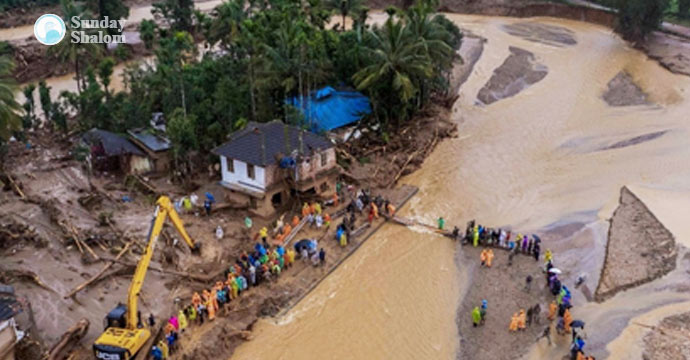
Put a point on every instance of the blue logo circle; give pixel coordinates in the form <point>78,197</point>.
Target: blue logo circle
<point>49,29</point>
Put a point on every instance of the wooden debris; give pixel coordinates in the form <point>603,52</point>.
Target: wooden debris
<point>107,266</point>
<point>15,187</point>
<point>402,169</point>
<point>62,349</point>
<point>7,274</point>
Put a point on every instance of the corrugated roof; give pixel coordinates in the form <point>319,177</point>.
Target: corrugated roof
<point>327,108</point>
<point>113,144</point>
<point>245,145</point>
<point>152,141</point>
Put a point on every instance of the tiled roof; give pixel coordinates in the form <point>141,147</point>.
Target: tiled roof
<point>245,145</point>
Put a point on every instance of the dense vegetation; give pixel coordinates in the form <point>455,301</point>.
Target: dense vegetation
<point>255,54</point>
<point>11,4</point>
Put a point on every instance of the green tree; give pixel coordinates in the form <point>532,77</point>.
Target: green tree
<point>637,18</point>
<point>113,9</point>
<point>46,101</point>
<point>78,54</point>
<point>345,8</point>
<point>104,72</point>
<point>147,31</point>
<point>10,110</point>
<point>397,59</point>
<point>181,130</point>
<point>29,118</point>
<point>177,13</point>
<point>684,8</point>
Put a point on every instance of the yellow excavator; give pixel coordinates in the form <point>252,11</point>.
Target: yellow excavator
<point>123,338</point>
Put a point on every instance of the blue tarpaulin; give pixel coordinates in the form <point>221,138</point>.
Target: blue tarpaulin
<point>327,109</point>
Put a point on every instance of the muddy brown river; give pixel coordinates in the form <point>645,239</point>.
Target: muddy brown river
<point>531,161</point>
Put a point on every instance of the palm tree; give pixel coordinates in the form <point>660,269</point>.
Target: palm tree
<point>9,107</point>
<point>396,60</point>
<point>227,18</point>
<point>75,53</point>
<point>344,7</point>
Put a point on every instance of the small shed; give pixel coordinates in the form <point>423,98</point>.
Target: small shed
<point>113,152</point>
<point>156,146</point>
<point>327,109</point>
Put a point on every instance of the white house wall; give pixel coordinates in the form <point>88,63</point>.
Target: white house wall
<point>239,175</point>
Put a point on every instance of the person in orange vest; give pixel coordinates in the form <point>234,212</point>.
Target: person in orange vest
<point>489,257</point>
<point>196,299</point>
<point>335,199</point>
<point>391,209</point>
<point>552,310</point>
<point>522,319</point>
<point>305,210</point>
<point>312,208</point>
<point>295,221</point>
<point>567,320</point>
<point>513,322</point>
<point>375,210</point>
<point>287,229</point>
<point>327,220</point>
<point>482,257</point>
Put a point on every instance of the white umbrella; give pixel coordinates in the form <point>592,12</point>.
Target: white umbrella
<point>554,271</point>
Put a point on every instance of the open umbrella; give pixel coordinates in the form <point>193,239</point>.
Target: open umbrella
<point>578,324</point>
<point>304,243</point>
<point>210,197</point>
<point>555,271</point>
<point>536,238</point>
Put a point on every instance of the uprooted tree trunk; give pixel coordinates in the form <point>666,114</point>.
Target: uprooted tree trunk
<point>62,349</point>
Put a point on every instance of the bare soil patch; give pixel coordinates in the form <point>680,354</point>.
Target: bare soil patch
<point>623,91</point>
<point>639,249</point>
<point>542,33</point>
<point>670,340</point>
<point>503,286</point>
<point>519,71</point>
<point>672,52</point>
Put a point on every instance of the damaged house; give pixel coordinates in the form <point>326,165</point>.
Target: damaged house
<point>111,152</point>
<point>264,165</point>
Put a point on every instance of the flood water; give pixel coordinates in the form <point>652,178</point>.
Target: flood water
<point>528,162</point>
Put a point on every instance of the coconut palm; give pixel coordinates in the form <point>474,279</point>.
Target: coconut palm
<point>9,107</point>
<point>396,60</point>
<point>345,8</point>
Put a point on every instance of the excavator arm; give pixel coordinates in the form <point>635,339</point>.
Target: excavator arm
<point>164,209</point>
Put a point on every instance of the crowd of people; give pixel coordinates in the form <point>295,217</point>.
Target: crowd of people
<point>267,260</point>
<point>559,308</point>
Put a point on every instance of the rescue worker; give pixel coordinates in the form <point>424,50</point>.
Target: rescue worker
<point>156,353</point>
<point>343,240</point>
<point>552,310</point>
<point>548,256</point>
<point>489,257</point>
<point>391,209</point>
<point>514,322</point>
<point>567,320</point>
<point>317,208</point>
<point>164,349</point>
<point>475,236</point>
<point>305,210</point>
<point>482,257</point>
<point>476,316</point>
<point>441,223</point>
<point>295,221</point>
<point>263,233</point>
<point>326,220</point>
<point>322,256</point>
<point>335,199</point>
<point>522,319</point>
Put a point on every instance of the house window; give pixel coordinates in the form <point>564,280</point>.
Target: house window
<point>324,159</point>
<point>250,171</point>
<point>231,165</point>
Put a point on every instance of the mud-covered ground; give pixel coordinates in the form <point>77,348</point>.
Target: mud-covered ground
<point>639,250</point>
<point>670,340</point>
<point>623,91</point>
<point>519,71</point>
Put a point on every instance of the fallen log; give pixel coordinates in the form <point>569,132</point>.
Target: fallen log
<point>402,169</point>
<point>199,278</point>
<point>15,187</point>
<point>62,349</point>
<point>107,266</point>
<point>7,274</point>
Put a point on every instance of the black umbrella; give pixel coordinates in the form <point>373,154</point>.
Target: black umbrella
<point>536,238</point>
<point>578,324</point>
<point>304,243</point>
